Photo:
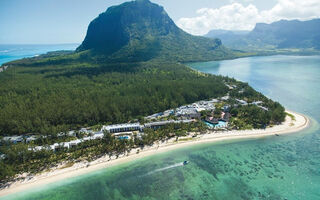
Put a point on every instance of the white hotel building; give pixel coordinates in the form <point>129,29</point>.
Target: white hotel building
<point>117,128</point>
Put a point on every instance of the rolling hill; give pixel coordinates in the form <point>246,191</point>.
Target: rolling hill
<point>282,34</point>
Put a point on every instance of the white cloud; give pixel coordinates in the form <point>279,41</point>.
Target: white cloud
<point>235,16</point>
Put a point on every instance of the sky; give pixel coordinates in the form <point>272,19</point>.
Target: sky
<point>66,21</point>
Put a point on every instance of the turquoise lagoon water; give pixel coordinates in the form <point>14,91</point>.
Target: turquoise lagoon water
<point>14,52</point>
<point>284,167</point>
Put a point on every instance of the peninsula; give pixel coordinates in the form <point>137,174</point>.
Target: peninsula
<point>123,94</point>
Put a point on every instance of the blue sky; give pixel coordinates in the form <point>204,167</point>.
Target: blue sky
<point>66,21</point>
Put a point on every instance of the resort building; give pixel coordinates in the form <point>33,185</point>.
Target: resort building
<point>257,103</point>
<point>86,131</point>
<point>187,112</point>
<point>263,108</point>
<point>204,105</point>
<point>231,87</point>
<point>122,128</point>
<point>13,139</point>
<point>98,135</point>
<point>31,138</point>
<point>72,133</point>
<point>167,113</point>
<point>191,111</point>
<point>54,146</point>
<point>242,102</point>
<point>225,98</point>
<point>74,143</point>
<point>157,125</point>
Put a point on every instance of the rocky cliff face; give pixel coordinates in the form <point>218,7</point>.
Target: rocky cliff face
<point>142,30</point>
<point>119,25</point>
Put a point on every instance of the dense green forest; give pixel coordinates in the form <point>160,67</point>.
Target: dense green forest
<point>49,98</point>
<point>39,96</point>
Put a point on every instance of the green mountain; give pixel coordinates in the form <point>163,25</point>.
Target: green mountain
<point>141,30</point>
<point>282,34</point>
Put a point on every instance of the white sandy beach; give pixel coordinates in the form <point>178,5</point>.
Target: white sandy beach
<point>60,173</point>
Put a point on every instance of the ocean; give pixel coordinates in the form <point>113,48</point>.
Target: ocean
<point>13,52</point>
<point>284,167</point>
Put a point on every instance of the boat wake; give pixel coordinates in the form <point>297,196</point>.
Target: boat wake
<point>165,168</point>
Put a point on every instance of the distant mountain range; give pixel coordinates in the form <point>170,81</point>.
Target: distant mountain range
<point>141,30</point>
<point>279,35</point>
<point>220,32</point>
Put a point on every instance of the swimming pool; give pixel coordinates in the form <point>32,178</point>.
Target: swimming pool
<point>124,137</point>
<point>221,124</point>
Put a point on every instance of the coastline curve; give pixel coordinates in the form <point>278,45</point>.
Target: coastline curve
<point>291,125</point>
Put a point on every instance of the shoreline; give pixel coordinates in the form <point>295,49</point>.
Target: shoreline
<point>60,173</point>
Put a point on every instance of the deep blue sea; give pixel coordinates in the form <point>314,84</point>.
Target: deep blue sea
<point>272,168</point>
<point>14,52</point>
